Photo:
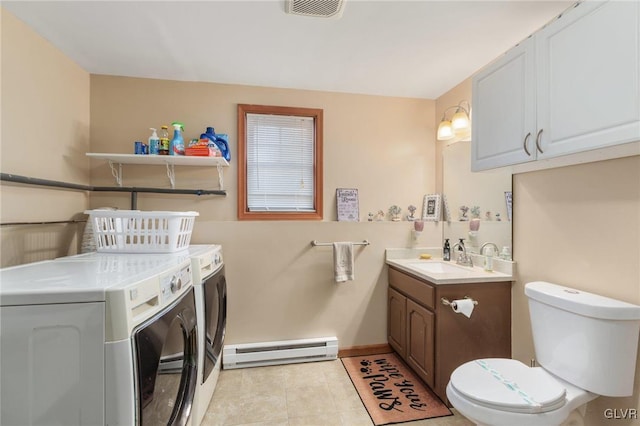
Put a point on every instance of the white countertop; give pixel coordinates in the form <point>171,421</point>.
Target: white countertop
<point>438,271</point>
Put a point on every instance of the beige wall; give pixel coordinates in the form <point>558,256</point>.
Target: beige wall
<point>45,134</point>
<point>578,226</point>
<point>280,287</point>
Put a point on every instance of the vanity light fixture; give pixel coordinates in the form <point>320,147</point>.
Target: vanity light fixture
<point>459,124</point>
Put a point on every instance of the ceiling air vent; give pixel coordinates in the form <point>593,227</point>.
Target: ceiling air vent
<point>317,8</point>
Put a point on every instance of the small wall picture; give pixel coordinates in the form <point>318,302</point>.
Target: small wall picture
<point>347,203</point>
<point>508,197</point>
<point>431,207</point>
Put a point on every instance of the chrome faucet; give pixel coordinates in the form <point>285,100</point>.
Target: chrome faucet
<point>496,252</point>
<point>463,258</point>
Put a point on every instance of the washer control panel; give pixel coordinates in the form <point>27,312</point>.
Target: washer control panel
<point>217,258</point>
<point>171,285</point>
<point>167,278</point>
<point>206,261</point>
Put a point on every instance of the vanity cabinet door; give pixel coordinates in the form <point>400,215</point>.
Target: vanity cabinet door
<point>588,78</point>
<point>420,341</point>
<point>397,325</point>
<point>503,122</point>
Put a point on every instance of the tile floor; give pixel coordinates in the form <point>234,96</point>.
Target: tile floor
<point>310,394</point>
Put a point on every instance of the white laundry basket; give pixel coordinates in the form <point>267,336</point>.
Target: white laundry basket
<point>136,231</point>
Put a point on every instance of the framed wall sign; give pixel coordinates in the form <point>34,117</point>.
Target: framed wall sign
<point>431,207</point>
<point>347,203</point>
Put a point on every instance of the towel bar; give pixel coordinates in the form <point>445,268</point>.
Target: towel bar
<point>315,243</point>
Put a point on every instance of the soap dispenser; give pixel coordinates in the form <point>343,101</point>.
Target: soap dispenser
<point>446,250</point>
<point>154,142</point>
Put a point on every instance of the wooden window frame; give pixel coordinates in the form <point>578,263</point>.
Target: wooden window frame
<point>243,210</point>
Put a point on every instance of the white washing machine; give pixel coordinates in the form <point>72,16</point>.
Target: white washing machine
<point>211,305</point>
<point>98,339</point>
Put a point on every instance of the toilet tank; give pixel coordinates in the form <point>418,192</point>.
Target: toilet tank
<point>588,340</point>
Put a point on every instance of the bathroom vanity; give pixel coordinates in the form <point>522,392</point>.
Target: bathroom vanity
<point>433,339</point>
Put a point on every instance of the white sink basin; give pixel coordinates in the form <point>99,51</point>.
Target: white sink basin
<point>436,267</point>
<point>441,272</point>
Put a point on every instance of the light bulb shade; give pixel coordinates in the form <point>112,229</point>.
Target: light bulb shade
<point>445,131</point>
<point>460,121</point>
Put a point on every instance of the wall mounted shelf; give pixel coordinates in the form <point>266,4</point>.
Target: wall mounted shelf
<point>158,160</point>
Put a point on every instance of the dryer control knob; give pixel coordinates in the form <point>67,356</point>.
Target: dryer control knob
<point>176,284</point>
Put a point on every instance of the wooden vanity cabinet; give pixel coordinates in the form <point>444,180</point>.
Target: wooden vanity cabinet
<point>432,339</point>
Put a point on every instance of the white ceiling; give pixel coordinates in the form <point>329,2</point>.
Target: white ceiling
<point>416,48</point>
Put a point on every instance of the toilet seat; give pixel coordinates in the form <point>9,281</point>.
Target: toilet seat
<point>508,385</point>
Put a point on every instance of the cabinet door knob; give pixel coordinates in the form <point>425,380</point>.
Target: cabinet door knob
<point>538,141</point>
<point>526,139</point>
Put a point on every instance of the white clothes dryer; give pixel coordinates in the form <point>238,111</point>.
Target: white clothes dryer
<point>98,339</point>
<point>211,305</point>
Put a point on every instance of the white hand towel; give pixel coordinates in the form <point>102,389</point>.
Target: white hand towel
<point>343,262</point>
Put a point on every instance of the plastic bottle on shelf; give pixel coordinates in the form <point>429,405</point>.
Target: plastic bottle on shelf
<point>177,143</point>
<point>164,141</point>
<point>488,259</point>
<point>222,141</point>
<point>218,142</point>
<point>154,142</point>
<point>506,253</point>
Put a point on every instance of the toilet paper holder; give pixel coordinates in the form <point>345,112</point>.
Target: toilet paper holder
<point>446,301</point>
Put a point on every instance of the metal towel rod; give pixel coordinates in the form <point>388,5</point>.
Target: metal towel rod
<point>315,243</point>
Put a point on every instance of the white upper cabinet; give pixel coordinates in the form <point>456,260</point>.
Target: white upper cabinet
<point>588,77</point>
<point>584,73</point>
<point>504,110</point>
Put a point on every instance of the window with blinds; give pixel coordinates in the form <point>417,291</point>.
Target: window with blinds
<point>280,163</point>
<point>280,149</point>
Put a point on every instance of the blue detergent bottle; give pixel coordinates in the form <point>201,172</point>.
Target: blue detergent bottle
<point>218,141</point>
<point>177,143</point>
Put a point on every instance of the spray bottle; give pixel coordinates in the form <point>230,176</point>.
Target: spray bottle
<point>154,142</point>
<point>177,143</point>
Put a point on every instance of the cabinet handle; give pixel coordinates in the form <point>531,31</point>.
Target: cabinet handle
<point>538,141</point>
<point>526,139</point>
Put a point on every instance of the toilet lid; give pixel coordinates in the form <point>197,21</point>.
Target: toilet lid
<point>508,385</point>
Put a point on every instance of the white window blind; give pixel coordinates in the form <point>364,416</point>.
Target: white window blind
<point>280,162</point>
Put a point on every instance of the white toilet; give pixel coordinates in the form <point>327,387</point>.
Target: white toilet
<point>586,346</point>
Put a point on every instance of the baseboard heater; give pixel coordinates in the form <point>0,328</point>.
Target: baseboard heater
<point>282,352</point>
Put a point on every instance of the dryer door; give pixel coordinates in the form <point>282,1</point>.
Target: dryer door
<point>166,364</point>
<point>215,308</point>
